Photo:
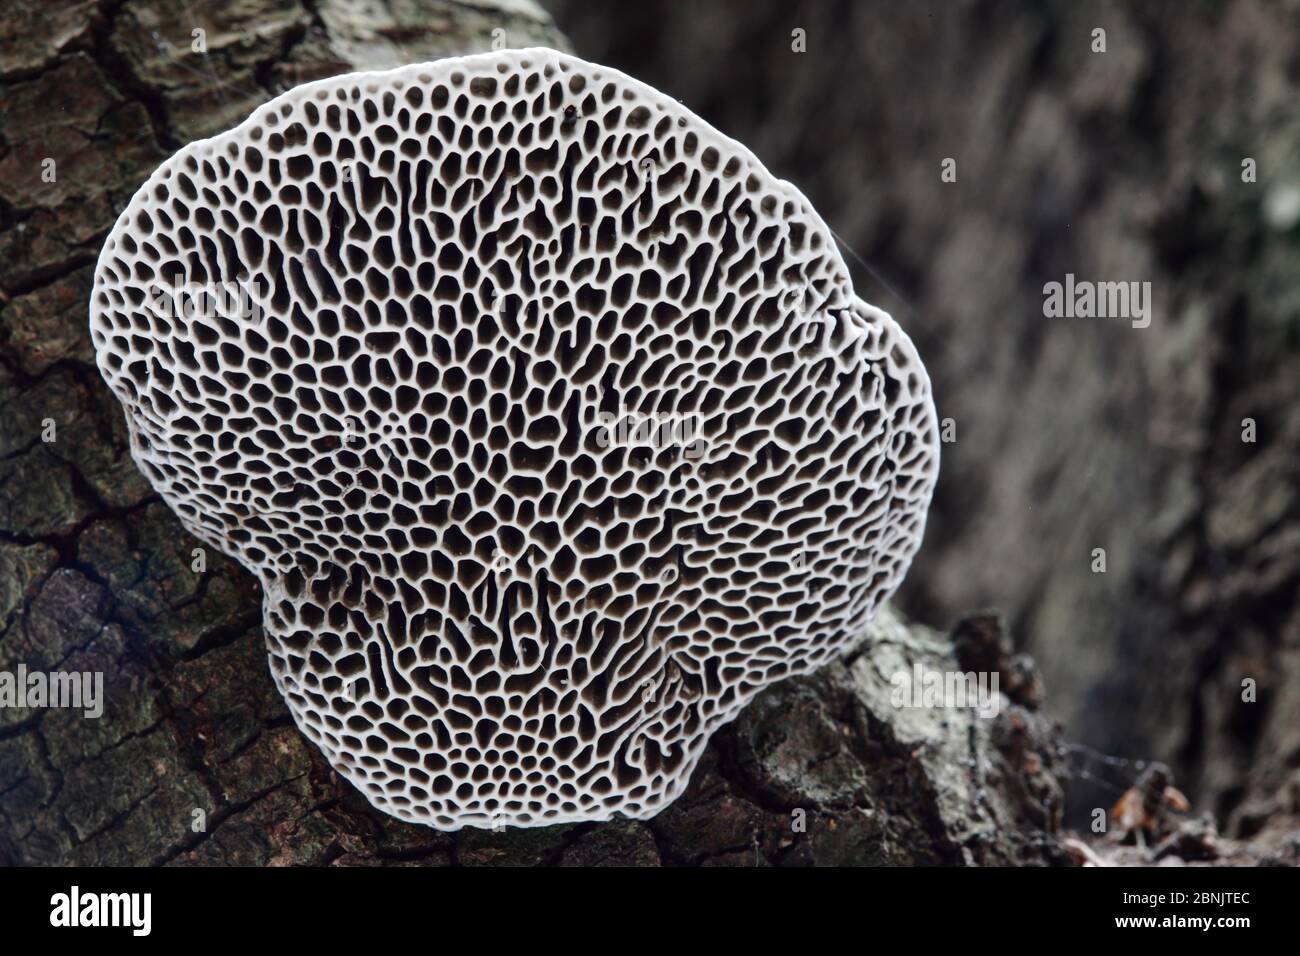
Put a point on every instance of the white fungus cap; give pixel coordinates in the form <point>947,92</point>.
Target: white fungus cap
<point>545,415</point>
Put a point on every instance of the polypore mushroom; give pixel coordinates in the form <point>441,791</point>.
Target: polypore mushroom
<point>546,417</point>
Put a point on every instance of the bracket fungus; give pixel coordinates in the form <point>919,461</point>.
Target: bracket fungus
<point>545,415</point>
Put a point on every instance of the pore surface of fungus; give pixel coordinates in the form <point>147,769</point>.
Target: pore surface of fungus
<point>546,417</point>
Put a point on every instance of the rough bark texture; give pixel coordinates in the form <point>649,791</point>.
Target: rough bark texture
<point>96,574</point>
<point>1070,434</point>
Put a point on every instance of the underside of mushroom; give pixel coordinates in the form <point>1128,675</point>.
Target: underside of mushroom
<point>546,416</point>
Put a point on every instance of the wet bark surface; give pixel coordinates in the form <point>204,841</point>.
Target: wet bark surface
<point>195,759</point>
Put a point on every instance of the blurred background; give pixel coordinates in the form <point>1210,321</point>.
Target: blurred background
<point>1071,434</point>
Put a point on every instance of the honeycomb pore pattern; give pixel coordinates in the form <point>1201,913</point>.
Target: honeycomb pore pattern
<point>546,417</point>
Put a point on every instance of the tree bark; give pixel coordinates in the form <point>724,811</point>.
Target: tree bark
<point>195,759</point>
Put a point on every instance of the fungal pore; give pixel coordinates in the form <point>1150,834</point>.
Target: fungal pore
<point>546,417</point>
